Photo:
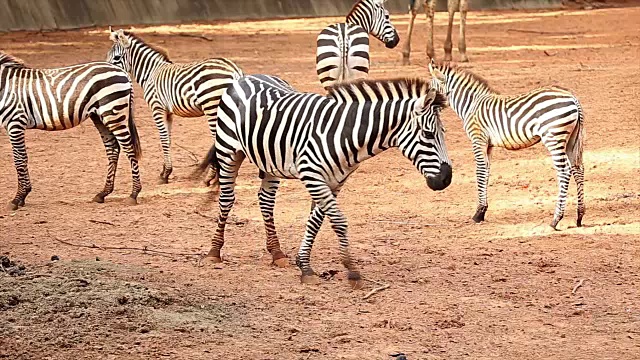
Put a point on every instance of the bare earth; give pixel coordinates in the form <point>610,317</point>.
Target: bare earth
<point>501,290</point>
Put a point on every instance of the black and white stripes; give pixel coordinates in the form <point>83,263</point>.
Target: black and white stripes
<point>187,90</point>
<point>321,140</point>
<point>552,115</point>
<point>59,99</point>
<point>343,49</point>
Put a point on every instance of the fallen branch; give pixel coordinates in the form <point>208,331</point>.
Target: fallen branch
<point>546,32</point>
<point>192,155</point>
<point>205,215</point>
<point>101,222</point>
<point>192,35</point>
<point>404,223</point>
<point>145,249</point>
<point>578,285</point>
<point>375,291</point>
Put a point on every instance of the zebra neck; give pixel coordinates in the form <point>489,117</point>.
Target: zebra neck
<point>464,99</point>
<point>371,129</point>
<point>144,64</point>
<point>355,20</point>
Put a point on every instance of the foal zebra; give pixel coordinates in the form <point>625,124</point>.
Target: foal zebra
<point>59,99</point>
<point>187,90</point>
<point>552,115</point>
<point>321,140</point>
<point>343,49</point>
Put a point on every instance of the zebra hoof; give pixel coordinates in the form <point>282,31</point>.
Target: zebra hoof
<point>130,201</point>
<point>98,199</point>
<point>216,261</point>
<point>281,262</point>
<point>163,181</point>
<point>12,207</point>
<point>309,279</point>
<point>355,280</point>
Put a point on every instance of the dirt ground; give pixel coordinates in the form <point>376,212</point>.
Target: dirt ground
<point>505,289</point>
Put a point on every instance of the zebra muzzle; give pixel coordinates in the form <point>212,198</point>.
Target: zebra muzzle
<point>393,42</point>
<point>442,180</point>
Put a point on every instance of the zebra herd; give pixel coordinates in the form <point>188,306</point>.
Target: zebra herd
<point>319,139</point>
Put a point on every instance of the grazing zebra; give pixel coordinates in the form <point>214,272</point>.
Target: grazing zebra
<point>187,90</point>
<point>552,115</point>
<point>343,49</point>
<point>321,140</point>
<point>59,99</point>
<point>430,8</point>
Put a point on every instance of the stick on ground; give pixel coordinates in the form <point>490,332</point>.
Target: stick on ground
<point>375,291</point>
<point>578,285</point>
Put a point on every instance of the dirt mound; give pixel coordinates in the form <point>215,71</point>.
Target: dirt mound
<point>73,304</point>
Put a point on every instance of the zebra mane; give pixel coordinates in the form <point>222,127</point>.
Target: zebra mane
<point>11,61</point>
<point>477,79</point>
<point>159,50</point>
<point>358,4</point>
<point>413,87</point>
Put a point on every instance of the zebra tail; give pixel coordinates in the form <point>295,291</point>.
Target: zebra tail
<point>575,145</point>
<point>135,138</point>
<point>210,159</point>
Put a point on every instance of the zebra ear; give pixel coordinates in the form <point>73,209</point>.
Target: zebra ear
<point>435,72</point>
<point>425,101</point>
<point>124,40</point>
<point>113,35</point>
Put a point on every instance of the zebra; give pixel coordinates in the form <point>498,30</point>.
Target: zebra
<point>343,49</point>
<point>430,8</point>
<point>62,98</point>
<point>187,90</point>
<point>321,140</point>
<point>552,115</point>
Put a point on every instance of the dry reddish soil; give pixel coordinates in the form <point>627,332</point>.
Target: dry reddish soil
<point>502,289</point>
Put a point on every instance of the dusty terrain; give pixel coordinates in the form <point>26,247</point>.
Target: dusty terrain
<point>502,289</point>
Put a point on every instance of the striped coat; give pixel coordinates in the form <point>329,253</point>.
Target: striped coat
<point>62,98</point>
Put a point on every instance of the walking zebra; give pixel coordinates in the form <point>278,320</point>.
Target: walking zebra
<point>552,115</point>
<point>343,49</point>
<point>187,90</point>
<point>59,99</point>
<point>321,140</point>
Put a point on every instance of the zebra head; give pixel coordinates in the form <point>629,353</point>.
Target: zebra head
<point>421,140</point>
<point>118,54</point>
<point>373,17</point>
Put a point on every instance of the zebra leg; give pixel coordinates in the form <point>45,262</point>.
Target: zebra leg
<point>267,199</point>
<point>163,120</point>
<point>228,174</point>
<point>212,175</point>
<point>452,6</point>
<point>578,174</point>
<point>15,130</point>
<point>556,146</point>
<point>406,49</point>
<point>303,259</point>
<point>429,9</point>
<point>113,152</point>
<point>481,152</point>
<point>326,200</point>
<point>462,42</point>
<point>126,137</point>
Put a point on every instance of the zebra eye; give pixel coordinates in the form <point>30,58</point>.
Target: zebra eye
<point>429,135</point>
<point>117,57</point>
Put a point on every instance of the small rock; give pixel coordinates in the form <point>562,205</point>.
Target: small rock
<point>144,330</point>
<point>55,258</point>
<point>97,258</point>
<point>5,261</point>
